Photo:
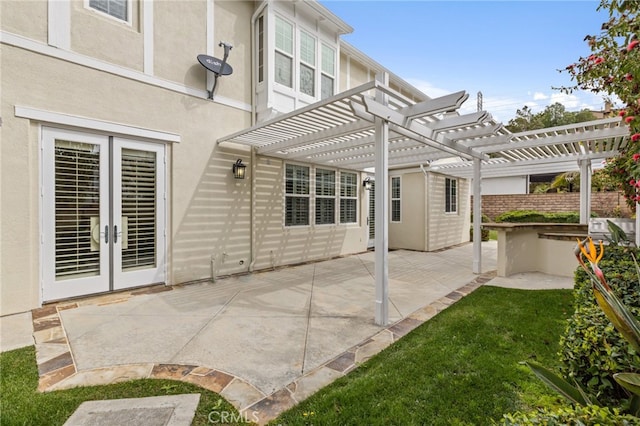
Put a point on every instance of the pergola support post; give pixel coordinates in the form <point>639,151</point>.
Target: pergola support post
<point>382,210</point>
<point>585,191</point>
<point>477,217</point>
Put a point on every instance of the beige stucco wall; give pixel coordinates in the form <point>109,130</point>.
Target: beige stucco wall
<point>25,18</point>
<point>98,35</point>
<point>177,42</point>
<point>208,210</point>
<point>522,250</point>
<point>232,24</point>
<point>409,232</point>
<point>446,229</point>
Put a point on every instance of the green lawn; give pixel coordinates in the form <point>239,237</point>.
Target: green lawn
<point>461,367</point>
<point>21,404</point>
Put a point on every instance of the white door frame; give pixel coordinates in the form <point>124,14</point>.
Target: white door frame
<point>127,279</point>
<point>107,279</point>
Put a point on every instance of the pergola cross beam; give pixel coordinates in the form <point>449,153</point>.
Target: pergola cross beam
<point>423,132</point>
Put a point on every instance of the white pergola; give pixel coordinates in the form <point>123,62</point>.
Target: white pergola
<point>375,127</point>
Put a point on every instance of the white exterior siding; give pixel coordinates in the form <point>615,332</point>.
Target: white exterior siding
<point>277,244</point>
<point>446,229</point>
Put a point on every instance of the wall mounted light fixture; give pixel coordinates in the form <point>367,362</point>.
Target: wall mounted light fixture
<point>367,183</point>
<point>239,169</point>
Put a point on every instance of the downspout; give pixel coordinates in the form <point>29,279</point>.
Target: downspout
<point>252,210</point>
<point>252,242</point>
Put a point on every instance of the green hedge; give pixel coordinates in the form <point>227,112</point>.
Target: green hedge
<point>533,216</point>
<point>590,415</point>
<point>592,351</point>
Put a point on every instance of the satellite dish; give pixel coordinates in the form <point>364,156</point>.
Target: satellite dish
<point>215,65</point>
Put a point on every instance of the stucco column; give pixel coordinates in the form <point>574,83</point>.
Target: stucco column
<point>477,216</point>
<point>585,191</point>
<point>382,211</point>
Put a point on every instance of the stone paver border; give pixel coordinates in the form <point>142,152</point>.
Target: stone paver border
<point>57,369</point>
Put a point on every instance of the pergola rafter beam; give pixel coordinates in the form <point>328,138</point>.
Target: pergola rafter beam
<point>434,106</point>
<point>315,137</point>
<point>572,138</point>
<point>423,132</point>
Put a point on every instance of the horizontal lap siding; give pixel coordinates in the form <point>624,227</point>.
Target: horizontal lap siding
<point>446,229</point>
<point>276,244</point>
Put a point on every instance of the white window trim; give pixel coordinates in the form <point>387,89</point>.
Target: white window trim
<point>322,45</point>
<point>310,196</point>
<point>59,24</point>
<point>300,62</point>
<point>457,198</point>
<point>320,39</point>
<point>292,56</point>
<point>392,199</point>
<point>128,22</point>
<point>78,122</point>
<point>357,198</point>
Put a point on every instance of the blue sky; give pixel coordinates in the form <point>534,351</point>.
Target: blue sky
<point>508,50</point>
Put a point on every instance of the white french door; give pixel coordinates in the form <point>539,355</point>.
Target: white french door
<point>103,213</point>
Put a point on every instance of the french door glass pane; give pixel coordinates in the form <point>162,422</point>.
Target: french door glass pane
<point>77,210</point>
<point>138,209</point>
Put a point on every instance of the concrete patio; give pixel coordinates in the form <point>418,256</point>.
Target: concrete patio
<point>264,341</point>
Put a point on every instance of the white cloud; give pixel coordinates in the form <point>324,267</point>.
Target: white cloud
<point>570,101</point>
<point>428,88</point>
<point>504,108</point>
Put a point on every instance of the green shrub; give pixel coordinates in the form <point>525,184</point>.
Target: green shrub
<point>578,415</point>
<point>484,218</point>
<point>592,351</point>
<point>532,216</point>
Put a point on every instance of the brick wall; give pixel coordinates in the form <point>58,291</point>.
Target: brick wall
<point>602,203</point>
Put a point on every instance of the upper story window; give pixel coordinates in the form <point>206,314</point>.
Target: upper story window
<point>115,8</point>
<point>284,52</point>
<point>395,199</point>
<point>260,35</point>
<point>451,195</point>
<point>307,64</point>
<point>294,60</point>
<point>328,71</point>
